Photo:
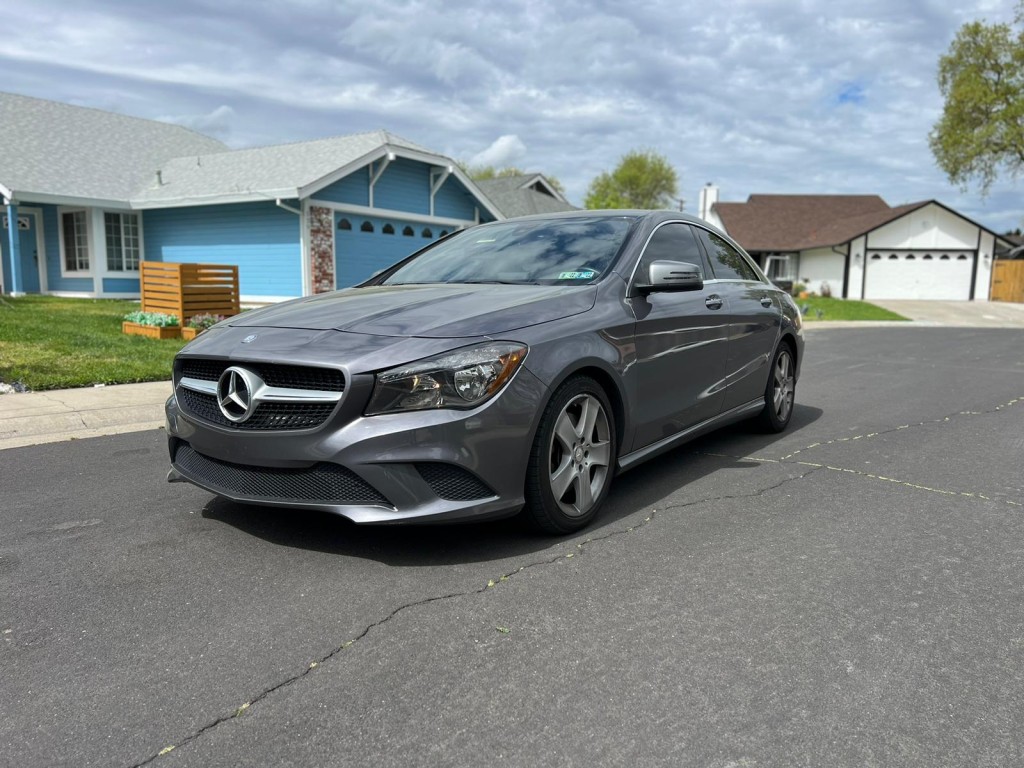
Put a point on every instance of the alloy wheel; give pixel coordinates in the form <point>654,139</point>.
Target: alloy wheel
<point>580,454</point>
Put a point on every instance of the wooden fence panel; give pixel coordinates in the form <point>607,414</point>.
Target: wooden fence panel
<point>185,290</point>
<point>1008,280</point>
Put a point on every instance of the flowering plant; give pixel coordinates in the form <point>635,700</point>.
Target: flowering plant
<point>204,321</point>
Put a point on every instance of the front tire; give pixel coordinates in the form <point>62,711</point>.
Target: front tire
<point>572,461</point>
<point>780,391</point>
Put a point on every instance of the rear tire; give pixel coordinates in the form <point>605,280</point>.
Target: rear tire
<point>780,391</point>
<point>572,461</point>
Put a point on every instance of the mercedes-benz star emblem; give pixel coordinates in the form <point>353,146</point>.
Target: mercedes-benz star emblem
<point>235,390</point>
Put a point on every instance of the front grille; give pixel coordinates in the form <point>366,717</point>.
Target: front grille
<point>267,416</point>
<point>322,483</point>
<point>453,483</point>
<point>274,374</point>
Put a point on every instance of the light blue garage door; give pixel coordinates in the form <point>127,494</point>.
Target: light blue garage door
<point>364,245</point>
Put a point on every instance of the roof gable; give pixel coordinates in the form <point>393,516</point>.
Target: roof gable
<point>524,195</point>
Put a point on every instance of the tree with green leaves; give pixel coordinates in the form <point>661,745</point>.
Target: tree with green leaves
<point>981,78</point>
<point>642,179</point>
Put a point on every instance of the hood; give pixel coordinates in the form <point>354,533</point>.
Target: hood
<point>428,311</point>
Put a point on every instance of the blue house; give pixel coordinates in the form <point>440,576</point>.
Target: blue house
<point>88,194</point>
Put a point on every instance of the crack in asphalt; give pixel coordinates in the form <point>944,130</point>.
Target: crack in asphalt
<point>891,430</point>
<point>788,458</point>
<point>579,549</point>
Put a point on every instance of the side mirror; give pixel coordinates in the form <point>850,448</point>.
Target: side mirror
<point>672,276</point>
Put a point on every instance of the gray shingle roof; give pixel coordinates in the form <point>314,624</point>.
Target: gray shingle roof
<point>58,149</point>
<point>512,198</point>
<point>267,172</point>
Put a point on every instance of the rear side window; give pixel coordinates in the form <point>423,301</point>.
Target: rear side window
<point>672,242</point>
<point>726,261</point>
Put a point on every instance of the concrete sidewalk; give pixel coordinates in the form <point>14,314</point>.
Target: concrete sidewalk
<point>31,418</point>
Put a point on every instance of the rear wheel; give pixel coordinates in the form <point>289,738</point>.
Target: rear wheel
<point>780,392</point>
<point>573,458</point>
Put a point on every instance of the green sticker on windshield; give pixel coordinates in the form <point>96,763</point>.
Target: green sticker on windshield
<point>585,275</point>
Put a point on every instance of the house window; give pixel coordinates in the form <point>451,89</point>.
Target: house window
<point>345,224</point>
<point>388,229</point>
<point>408,232</point>
<point>122,241</point>
<point>427,232</point>
<point>76,241</point>
<point>366,227</point>
<point>444,233</point>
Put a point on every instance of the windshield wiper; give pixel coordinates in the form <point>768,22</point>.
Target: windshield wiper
<point>495,282</point>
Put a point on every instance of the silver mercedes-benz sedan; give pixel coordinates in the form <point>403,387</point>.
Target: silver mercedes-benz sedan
<point>515,365</point>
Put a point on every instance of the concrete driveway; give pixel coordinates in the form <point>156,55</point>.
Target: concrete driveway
<point>959,314</point>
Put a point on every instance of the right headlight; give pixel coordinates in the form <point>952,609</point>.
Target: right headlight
<point>461,379</point>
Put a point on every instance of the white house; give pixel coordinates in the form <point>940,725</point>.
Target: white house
<point>860,247</point>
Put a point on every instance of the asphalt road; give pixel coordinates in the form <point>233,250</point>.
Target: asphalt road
<point>848,593</point>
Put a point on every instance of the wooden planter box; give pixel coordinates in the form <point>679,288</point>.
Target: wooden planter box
<point>185,290</point>
<point>189,333</point>
<point>152,331</point>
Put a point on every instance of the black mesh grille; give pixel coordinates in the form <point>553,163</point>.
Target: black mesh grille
<point>267,416</point>
<point>453,483</point>
<point>290,376</point>
<point>322,483</point>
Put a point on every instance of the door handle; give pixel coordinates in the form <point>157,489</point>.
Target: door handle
<point>766,301</point>
<point>714,301</point>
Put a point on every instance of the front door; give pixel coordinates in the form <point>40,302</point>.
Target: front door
<point>680,345</point>
<point>28,243</point>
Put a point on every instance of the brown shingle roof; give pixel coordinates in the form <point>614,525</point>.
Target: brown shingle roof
<point>780,223</point>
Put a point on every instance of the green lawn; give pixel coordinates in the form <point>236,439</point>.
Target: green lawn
<point>843,309</point>
<point>50,343</point>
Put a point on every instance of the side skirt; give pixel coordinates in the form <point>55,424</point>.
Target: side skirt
<point>739,413</point>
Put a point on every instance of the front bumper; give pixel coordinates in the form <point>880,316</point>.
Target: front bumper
<point>435,465</point>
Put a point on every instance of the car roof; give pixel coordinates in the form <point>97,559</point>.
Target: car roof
<point>612,214</point>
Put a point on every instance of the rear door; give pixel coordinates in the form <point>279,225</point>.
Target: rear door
<point>754,317</point>
<point>680,344</point>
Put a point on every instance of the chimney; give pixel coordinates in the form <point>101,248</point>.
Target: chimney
<point>708,197</point>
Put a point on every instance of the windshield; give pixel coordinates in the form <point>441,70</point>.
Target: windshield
<point>545,252</point>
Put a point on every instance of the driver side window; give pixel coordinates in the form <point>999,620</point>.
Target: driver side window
<point>671,242</point>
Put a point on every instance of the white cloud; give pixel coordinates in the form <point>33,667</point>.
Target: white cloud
<point>505,151</point>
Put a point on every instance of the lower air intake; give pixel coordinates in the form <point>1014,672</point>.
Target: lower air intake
<point>320,484</point>
<point>453,483</point>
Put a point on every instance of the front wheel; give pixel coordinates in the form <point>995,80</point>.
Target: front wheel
<point>573,458</point>
<point>780,391</point>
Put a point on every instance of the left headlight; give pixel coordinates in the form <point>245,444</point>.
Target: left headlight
<point>463,379</point>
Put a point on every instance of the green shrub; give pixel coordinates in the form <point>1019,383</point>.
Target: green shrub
<point>158,319</point>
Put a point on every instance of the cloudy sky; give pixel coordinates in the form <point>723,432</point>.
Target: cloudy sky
<point>768,96</point>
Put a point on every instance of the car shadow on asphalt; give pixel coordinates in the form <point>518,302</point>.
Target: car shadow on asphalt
<point>455,543</point>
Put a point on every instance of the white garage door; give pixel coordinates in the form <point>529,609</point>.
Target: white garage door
<point>918,275</point>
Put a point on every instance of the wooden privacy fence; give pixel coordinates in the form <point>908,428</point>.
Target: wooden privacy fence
<point>1008,280</point>
<point>189,289</point>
